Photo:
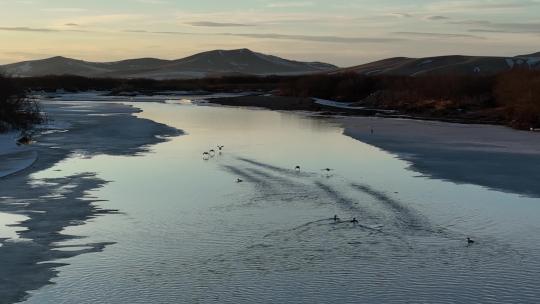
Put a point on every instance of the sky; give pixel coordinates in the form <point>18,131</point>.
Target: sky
<point>341,32</point>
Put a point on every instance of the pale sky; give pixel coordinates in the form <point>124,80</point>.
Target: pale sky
<point>342,32</point>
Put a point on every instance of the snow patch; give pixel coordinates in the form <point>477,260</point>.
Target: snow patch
<point>335,104</point>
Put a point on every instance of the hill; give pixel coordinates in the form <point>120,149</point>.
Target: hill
<point>212,63</point>
<point>454,64</point>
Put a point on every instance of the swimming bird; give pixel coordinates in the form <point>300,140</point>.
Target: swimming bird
<point>327,169</point>
<point>212,152</point>
<point>470,241</point>
<point>336,218</point>
<point>238,180</point>
<point>206,155</point>
<point>24,140</point>
<point>354,221</point>
<point>220,147</point>
<point>297,168</point>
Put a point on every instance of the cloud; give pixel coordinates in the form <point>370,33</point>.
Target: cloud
<point>503,27</point>
<point>437,35</point>
<point>136,31</point>
<point>486,31</point>
<point>36,30</point>
<point>483,5</point>
<point>289,4</point>
<point>91,20</point>
<point>400,15</point>
<point>64,10</point>
<point>217,24</point>
<point>26,29</point>
<point>327,39</point>
<point>152,1</point>
<point>437,17</point>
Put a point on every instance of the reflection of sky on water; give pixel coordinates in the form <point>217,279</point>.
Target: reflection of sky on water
<point>188,232</point>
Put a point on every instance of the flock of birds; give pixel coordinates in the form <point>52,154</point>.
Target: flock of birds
<point>211,153</point>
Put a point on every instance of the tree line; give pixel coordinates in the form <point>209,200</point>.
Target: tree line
<point>17,111</point>
<point>511,98</point>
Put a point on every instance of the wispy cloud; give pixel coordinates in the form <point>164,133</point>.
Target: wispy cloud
<point>25,29</point>
<point>437,17</point>
<point>136,31</point>
<point>289,4</point>
<point>437,35</point>
<point>152,1</point>
<point>504,27</point>
<point>217,24</point>
<point>32,29</point>
<point>327,39</point>
<point>483,5</point>
<point>330,39</point>
<point>400,15</point>
<point>64,9</point>
<point>96,20</point>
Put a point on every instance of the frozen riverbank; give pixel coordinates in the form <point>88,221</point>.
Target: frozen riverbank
<point>495,157</point>
<point>53,204</point>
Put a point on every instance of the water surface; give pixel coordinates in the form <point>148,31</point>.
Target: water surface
<point>188,233</point>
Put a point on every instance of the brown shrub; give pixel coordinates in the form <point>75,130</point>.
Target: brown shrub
<point>16,110</point>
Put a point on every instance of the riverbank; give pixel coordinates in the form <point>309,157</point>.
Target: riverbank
<point>51,205</point>
<point>284,103</point>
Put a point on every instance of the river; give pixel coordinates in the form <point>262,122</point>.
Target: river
<point>184,230</point>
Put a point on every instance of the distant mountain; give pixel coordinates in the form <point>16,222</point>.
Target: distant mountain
<point>466,65</point>
<point>213,63</point>
<point>247,62</point>
<point>537,54</point>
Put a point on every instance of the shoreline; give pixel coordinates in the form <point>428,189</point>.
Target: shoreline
<point>328,107</point>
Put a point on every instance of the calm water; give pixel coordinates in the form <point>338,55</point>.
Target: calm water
<point>188,233</point>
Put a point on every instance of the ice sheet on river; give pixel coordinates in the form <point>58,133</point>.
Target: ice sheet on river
<point>51,205</point>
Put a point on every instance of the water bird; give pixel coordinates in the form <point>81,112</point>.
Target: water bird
<point>297,168</point>
<point>354,221</point>
<point>24,140</point>
<point>336,218</point>
<point>470,241</point>
<point>327,169</point>
<point>206,155</point>
<point>212,152</point>
<point>238,180</point>
<point>220,147</point>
